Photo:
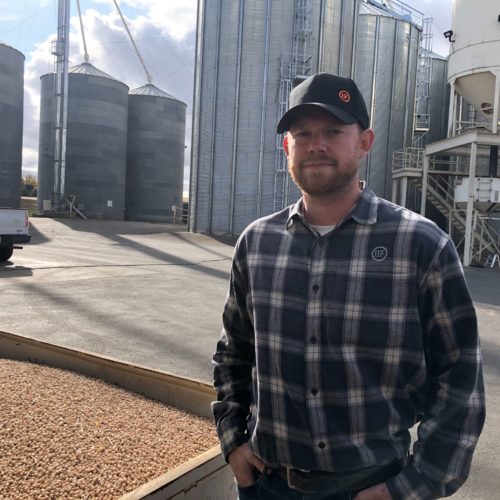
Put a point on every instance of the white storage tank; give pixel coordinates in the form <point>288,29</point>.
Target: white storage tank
<point>474,61</point>
<point>11,125</point>
<point>244,52</point>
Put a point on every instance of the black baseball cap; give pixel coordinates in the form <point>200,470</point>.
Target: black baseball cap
<point>338,95</point>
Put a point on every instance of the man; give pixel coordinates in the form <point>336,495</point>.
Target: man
<point>347,321</point>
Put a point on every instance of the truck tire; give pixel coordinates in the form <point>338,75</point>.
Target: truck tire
<point>5,253</point>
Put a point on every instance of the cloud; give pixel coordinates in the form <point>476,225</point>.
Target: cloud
<point>166,46</point>
<point>176,16</point>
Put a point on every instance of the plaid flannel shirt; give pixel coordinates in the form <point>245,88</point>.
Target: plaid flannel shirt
<point>334,346</point>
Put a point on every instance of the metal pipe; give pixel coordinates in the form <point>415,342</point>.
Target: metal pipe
<point>321,31</point>
<point>451,111</point>
<point>408,87</point>
<point>236,116</point>
<point>214,124</point>
<point>195,120</point>
<point>354,38</point>
<point>148,76</point>
<point>425,175</point>
<point>61,101</point>
<point>391,110</point>
<point>263,109</point>
<point>85,53</point>
<point>470,206</point>
<point>404,191</point>
<point>340,62</point>
<point>496,105</point>
<point>374,89</point>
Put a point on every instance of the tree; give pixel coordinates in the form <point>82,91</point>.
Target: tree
<point>29,185</point>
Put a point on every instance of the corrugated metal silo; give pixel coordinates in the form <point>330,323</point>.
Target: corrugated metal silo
<point>155,154</point>
<point>11,125</point>
<point>438,100</point>
<point>386,73</point>
<point>96,145</point>
<point>247,55</point>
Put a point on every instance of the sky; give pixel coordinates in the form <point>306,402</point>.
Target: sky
<point>164,31</point>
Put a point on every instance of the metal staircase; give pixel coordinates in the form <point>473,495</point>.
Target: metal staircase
<point>485,240</point>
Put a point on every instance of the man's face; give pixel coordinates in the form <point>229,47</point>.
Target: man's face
<point>324,153</point>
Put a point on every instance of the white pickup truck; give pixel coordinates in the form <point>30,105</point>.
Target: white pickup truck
<point>14,229</point>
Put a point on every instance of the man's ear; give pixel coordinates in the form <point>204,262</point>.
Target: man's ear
<point>285,143</point>
<point>366,142</point>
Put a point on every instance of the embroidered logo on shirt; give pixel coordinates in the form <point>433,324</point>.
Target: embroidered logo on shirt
<point>379,254</point>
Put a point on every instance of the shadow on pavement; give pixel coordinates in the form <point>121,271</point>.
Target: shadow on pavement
<point>484,285</point>
<point>37,237</point>
<point>15,271</point>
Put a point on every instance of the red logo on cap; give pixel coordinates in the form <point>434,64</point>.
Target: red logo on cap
<point>344,96</point>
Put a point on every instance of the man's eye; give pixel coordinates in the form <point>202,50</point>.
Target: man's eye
<point>302,133</point>
<point>334,131</point>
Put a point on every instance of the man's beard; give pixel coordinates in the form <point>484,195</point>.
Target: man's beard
<point>324,181</point>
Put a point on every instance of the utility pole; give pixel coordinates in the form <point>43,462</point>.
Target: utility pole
<point>61,53</point>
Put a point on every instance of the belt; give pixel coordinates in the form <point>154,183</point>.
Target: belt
<point>338,482</point>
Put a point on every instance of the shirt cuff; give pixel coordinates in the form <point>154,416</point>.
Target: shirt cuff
<point>232,433</point>
<point>409,485</point>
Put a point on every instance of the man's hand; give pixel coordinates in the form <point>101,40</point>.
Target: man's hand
<point>244,462</point>
<point>377,492</point>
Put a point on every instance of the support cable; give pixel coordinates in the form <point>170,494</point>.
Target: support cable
<point>148,76</point>
<point>85,53</point>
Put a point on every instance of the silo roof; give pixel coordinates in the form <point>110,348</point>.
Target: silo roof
<point>152,90</point>
<point>10,47</point>
<point>88,69</point>
<point>377,8</point>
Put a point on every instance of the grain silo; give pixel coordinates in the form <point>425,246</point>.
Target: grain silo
<point>11,125</point>
<point>386,73</point>
<point>155,154</point>
<point>248,55</point>
<point>439,99</point>
<point>432,98</point>
<point>96,144</point>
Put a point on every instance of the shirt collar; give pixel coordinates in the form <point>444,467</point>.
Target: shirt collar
<point>364,212</point>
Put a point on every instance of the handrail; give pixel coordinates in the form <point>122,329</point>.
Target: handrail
<point>413,158</point>
<point>491,233</point>
<point>443,190</point>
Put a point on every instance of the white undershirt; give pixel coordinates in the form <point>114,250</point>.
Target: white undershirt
<point>322,230</point>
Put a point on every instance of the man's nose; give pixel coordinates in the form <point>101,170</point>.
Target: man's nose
<point>318,142</point>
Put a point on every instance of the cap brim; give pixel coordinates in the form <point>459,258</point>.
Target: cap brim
<point>340,114</point>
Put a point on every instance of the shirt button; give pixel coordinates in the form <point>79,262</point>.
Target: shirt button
<point>314,391</point>
<point>321,243</point>
<point>321,445</point>
<point>314,339</point>
<point>315,288</point>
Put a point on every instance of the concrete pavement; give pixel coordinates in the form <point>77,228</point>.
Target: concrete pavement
<point>152,294</point>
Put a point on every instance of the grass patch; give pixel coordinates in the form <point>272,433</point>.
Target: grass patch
<point>29,204</point>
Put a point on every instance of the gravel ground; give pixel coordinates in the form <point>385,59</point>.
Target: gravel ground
<point>64,435</point>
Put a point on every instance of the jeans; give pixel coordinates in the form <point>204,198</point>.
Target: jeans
<point>274,487</point>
